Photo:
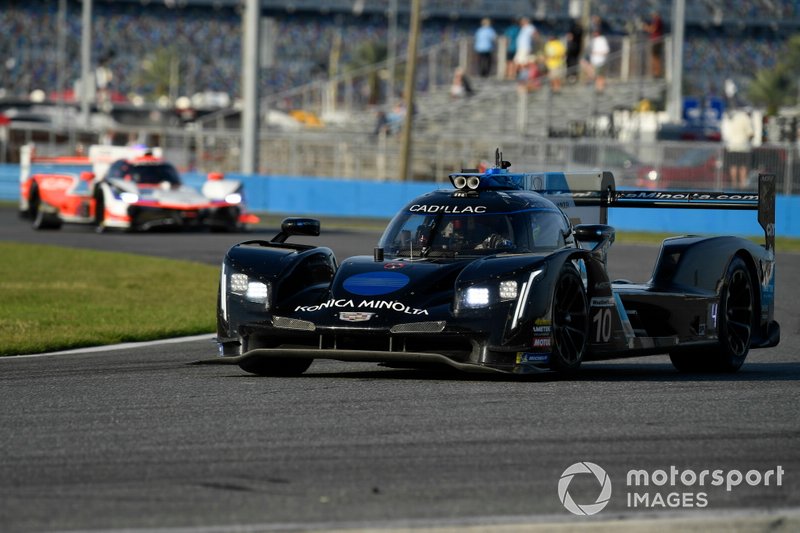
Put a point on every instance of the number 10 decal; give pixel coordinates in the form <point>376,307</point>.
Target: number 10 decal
<point>602,325</point>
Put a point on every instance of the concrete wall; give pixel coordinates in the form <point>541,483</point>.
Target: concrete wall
<point>355,198</point>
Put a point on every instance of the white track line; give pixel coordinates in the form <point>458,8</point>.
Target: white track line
<point>114,347</point>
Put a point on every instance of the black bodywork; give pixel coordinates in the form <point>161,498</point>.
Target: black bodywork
<point>515,307</point>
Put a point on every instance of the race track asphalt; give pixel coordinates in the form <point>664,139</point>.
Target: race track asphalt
<point>139,438</point>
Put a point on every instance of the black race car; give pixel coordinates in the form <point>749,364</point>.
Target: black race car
<point>504,273</point>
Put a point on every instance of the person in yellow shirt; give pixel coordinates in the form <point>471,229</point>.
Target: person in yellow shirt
<point>555,56</point>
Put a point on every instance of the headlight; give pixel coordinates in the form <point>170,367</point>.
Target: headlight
<point>476,297</point>
<point>129,197</point>
<point>508,290</point>
<point>479,296</point>
<point>257,292</point>
<point>652,175</point>
<point>239,283</point>
<point>234,198</point>
<point>252,290</point>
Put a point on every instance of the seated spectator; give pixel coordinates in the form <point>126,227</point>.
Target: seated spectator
<point>461,87</point>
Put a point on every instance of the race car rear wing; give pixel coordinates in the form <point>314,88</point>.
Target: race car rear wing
<point>100,159</point>
<point>763,201</point>
<point>605,197</point>
<point>66,164</point>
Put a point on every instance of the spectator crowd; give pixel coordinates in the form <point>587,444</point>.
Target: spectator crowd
<point>206,40</point>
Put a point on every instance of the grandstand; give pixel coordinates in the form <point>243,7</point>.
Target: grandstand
<point>318,46</point>
<point>725,39</point>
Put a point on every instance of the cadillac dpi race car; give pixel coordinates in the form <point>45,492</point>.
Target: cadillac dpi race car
<point>506,272</point>
<point>129,188</point>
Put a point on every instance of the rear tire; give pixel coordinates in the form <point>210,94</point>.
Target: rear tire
<point>570,321</point>
<point>42,220</point>
<point>735,329</point>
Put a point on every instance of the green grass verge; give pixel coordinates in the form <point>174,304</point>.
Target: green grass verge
<point>55,298</point>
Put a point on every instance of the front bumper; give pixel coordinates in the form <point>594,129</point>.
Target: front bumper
<point>149,217</point>
<point>370,356</point>
<point>466,346</point>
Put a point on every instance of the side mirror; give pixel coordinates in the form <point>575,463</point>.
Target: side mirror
<point>215,176</point>
<point>598,236</point>
<point>595,233</point>
<point>297,226</point>
<point>87,176</point>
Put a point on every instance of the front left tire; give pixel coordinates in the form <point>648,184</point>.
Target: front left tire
<point>570,321</point>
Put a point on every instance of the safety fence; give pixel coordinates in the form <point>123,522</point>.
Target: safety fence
<point>656,165</point>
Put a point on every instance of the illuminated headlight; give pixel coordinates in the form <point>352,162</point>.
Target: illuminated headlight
<point>239,283</point>
<point>508,290</point>
<point>234,198</point>
<point>257,292</point>
<point>129,197</point>
<point>652,175</point>
<point>253,291</point>
<point>476,297</point>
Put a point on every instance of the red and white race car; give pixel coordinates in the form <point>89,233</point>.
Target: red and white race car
<point>124,187</point>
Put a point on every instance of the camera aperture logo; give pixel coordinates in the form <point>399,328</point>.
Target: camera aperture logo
<point>588,508</point>
<point>672,487</point>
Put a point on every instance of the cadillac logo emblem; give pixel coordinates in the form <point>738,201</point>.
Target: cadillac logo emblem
<point>393,266</point>
<point>355,316</point>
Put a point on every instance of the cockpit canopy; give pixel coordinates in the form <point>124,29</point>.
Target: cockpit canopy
<point>423,234</point>
<point>145,173</point>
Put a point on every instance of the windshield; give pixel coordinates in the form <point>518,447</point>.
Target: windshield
<point>154,174</point>
<point>458,235</point>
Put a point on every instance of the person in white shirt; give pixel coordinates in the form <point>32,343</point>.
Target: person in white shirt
<point>598,56</point>
<point>525,38</point>
<point>737,134</point>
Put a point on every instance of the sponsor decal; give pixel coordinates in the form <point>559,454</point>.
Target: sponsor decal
<point>355,316</point>
<point>542,322</point>
<point>697,196</point>
<point>541,343</point>
<point>602,302</point>
<point>394,306</point>
<point>542,330</point>
<point>394,265</point>
<point>375,283</point>
<point>448,209</point>
<point>528,357</point>
<point>54,183</point>
<point>344,303</point>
